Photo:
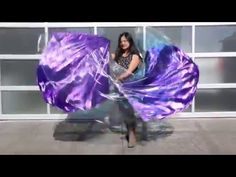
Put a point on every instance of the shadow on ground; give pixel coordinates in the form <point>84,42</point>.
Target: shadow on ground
<point>85,129</point>
<point>153,131</point>
<point>84,126</point>
<point>80,129</point>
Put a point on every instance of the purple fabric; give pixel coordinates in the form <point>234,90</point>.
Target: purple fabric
<point>169,85</point>
<point>69,72</point>
<point>73,75</point>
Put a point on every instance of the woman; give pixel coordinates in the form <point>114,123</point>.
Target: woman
<point>128,56</point>
<point>73,75</point>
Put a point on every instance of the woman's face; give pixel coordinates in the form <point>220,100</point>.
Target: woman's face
<point>124,43</point>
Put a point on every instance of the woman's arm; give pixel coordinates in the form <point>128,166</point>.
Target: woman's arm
<point>133,65</point>
<point>112,56</point>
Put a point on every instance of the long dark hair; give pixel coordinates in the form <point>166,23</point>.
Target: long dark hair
<point>132,48</point>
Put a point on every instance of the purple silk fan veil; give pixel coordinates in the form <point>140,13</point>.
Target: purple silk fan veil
<point>70,72</point>
<point>74,73</point>
<point>169,84</point>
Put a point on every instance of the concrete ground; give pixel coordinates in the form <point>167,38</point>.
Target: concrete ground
<point>173,136</point>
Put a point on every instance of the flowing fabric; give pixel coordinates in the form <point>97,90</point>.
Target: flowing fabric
<point>169,84</point>
<point>70,72</point>
<point>76,73</point>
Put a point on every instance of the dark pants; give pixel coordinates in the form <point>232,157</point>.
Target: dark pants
<point>128,114</point>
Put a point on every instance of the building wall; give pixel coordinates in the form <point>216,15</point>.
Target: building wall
<point>211,45</point>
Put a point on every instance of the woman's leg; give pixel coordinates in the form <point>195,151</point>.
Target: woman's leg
<point>130,121</point>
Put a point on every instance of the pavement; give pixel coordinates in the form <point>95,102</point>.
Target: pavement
<point>181,136</point>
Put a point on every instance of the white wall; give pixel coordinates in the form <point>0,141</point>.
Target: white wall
<point>22,43</point>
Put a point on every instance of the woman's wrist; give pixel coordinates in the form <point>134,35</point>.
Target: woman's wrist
<point>124,75</point>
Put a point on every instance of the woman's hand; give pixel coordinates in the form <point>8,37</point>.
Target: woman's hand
<point>123,76</point>
<point>120,78</point>
<point>113,56</point>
